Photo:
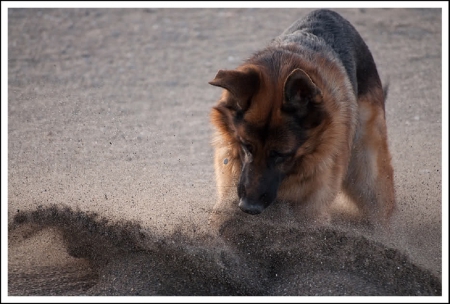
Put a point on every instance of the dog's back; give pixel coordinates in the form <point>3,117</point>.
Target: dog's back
<point>326,31</point>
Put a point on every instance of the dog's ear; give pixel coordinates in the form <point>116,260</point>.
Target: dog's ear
<point>299,90</point>
<point>241,84</point>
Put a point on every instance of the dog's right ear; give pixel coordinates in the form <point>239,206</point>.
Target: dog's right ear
<point>242,84</point>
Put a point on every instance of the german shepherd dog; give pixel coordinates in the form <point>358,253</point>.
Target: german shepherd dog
<point>302,121</point>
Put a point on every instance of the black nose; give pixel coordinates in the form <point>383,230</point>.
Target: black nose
<point>250,207</point>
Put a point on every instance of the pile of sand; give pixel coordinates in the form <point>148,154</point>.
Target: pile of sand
<point>250,258</point>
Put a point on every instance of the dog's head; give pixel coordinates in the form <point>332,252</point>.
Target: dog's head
<point>266,120</point>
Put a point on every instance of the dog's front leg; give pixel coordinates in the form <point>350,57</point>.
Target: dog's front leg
<point>227,170</point>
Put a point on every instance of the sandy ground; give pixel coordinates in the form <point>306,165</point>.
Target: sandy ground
<point>110,176</point>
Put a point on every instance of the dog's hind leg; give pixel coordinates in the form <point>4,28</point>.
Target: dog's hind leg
<point>369,181</point>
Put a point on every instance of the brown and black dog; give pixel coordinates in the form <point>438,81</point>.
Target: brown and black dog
<point>304,120</point>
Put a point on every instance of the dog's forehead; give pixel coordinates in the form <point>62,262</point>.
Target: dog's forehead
<point>263,121</point>
<point>263,117</point>
<point>265,107</point>
<point>263,132</point>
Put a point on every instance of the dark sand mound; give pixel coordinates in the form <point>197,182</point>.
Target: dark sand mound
<point>124,259</point>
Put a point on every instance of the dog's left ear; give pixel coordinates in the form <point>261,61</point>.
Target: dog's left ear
<point>299,90</point>
<point>242,84</point>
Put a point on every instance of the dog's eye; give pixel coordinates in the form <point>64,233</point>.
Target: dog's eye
<point>277,157</point>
